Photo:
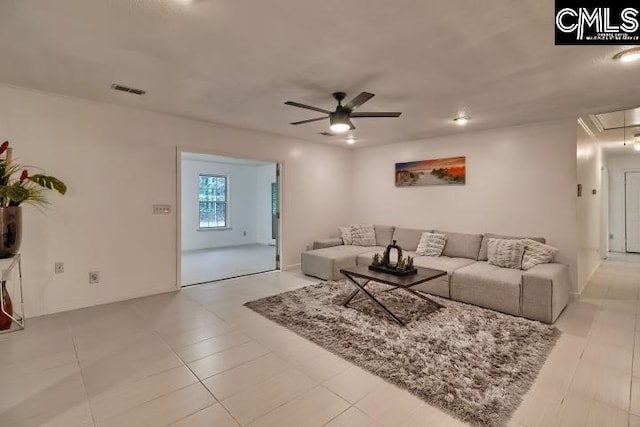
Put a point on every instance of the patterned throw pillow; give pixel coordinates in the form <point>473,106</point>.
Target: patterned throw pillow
<point>431,244</point>
<point>363,235</point>
<point>506,253</point>
<point>537,253</point>
<point>345,233</point>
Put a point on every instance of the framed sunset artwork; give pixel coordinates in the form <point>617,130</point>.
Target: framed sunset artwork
<point>449,171</point>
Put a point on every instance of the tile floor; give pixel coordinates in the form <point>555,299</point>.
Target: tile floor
<point>199,358</point>
<point>207,265</point>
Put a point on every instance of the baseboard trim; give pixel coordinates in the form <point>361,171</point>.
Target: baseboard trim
<point>291,267</point>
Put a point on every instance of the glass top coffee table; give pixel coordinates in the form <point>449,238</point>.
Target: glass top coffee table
<point>398,282</point>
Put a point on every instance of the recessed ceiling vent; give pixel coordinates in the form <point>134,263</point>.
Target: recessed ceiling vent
<point>122,88</point>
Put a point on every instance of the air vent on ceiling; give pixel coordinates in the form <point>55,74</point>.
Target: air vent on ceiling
<point>122,88</point>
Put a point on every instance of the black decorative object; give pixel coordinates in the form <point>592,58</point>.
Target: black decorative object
<point>402,266</point>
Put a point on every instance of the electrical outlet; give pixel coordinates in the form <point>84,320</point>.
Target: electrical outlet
<point>94,277</point>
<point>59,267</point>
<point>161,209</point>
<point>244,233</point>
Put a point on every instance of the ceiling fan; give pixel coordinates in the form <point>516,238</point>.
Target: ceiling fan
<point>340,119</point>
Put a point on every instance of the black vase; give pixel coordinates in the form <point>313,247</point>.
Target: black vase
<point>10,231</point>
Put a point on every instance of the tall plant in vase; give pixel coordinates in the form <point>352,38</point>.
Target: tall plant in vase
<point>18,186</point>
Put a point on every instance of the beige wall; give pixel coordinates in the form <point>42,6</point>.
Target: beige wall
<point>520,181</point>
<point>117,163</point>
<point>589,206</point>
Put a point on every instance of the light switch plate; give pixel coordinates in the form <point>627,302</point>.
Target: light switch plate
<point>161,209</point>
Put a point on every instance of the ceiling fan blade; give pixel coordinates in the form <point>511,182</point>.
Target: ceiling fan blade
<point>308,121</point>
<point>358,100</point>
<point>308,107</point>
<point>377,114</point>
<point>351,124</point>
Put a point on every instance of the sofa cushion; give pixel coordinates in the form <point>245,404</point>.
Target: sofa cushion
<point>536,253</point>
<point>384,234</point>
<point>506,253</point>
<point>461,245</point>
<point>407,238</point>
<point>345,235</point>
<point>431,244</point>
<point>488,286</point>
<point>326,263</point>
<point>363,235</point>
<point>443,263</point>
<point>483,247</point>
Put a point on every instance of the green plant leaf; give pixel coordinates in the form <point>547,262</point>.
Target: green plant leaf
<point>50,182</point>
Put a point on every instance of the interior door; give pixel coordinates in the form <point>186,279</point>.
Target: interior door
<point>632,207</point>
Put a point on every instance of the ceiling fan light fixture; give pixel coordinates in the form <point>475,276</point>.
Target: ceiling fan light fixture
<point>636,142</point>
<point>628,55</point>
<point>462,120</point>
<point>350,140</point>
<point>339,122</point>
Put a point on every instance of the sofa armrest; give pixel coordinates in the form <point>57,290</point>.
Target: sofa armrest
<point>327,243</point>
<point>545,291</point>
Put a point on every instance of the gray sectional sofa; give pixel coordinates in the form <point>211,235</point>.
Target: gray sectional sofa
<point>540,293</point>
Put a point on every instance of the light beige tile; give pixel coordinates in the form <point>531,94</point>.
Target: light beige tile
<point>608,355</point>
<point>137,361</point>
<point>602,384</point>
<point>20,350</point>
<point>634,421</point>
<point>428,416</point>
<point>574,411</point>
<point>183,338</point>
<point>235,380</point>
<point>315,361</point>
<point>353,417</point>
<point>163,410</point>
<point>634,406</point>
<point>227,359</point>
<point>120,399</point>
<point>60,402</point>
<point>250,404</point>
<point>210,346</point>
<point>539,403</point>
<point>33,365</point>
<point>608,335</point>
<point>605,415</point>
<point>213,416</point>
<point>314,408</point>
<point>353,384</point>
<point>389,405</point>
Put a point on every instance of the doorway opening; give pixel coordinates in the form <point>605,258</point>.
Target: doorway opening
<point>230,217</point>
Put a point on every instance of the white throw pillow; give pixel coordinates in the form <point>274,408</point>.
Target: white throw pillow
<point>505,253</point>
<point>345,233</point>
<point>537,253</point>
<point>431,244</point>
<point>363,235</point>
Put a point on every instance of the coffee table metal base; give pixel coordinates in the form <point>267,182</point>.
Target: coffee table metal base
<point>360,287</point>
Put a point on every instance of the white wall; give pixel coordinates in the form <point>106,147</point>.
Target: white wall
<point>520,181</point>
<point>617,166</point>
<point>242,188</point>
<point>589,206</point>
<point>118,162</point>
<point>266,175</point>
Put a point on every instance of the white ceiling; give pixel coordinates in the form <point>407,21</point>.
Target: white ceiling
<point>236,62</point>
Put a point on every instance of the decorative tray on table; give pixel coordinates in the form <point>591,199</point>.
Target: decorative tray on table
<point>394,271</point>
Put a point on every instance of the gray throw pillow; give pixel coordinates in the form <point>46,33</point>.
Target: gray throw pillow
<point>537,253</point>
<point>363,235</point>
<point>505,253</point>
<point>431,244</point>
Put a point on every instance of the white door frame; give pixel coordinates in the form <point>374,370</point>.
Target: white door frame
<point>626,237</point>
<point>280,166</point>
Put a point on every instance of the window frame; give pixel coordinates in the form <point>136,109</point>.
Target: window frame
<point>227,225</point>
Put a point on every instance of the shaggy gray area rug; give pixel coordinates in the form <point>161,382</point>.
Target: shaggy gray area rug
<point>474,363</point>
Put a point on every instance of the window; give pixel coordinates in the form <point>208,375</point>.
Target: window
<point>213,201</point>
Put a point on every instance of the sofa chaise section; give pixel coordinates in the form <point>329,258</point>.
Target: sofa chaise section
<point>326,263</point>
